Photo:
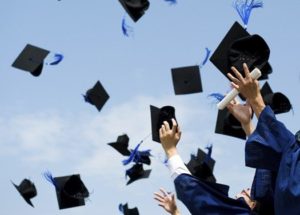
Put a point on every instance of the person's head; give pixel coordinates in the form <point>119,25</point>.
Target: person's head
<point>246,196</point>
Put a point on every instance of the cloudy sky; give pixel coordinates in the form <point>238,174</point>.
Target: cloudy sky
<point>46,125</point>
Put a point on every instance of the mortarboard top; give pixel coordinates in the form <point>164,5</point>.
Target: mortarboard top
<point>186,80</point>
<point>97,96</point>
<point>238,47</point>
<point>121,145</point>
<point>137,172</point>
<point>27,190</point>
<point>277,101</point>
<point>135,8</point>
<point>126,211</point>
<point>158,116</point>
<point>70,191</point>
<point>31,59</point>
<point>228,125</point>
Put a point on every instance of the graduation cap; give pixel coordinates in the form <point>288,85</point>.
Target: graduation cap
<point>121,145</point>
<point>238,47</point>
<point>135,8</point>
<point>186,80</point>
<point>227,124</point>
<point>137,172</point>
<point>128,211</point>
<point>31,59</point>
<point>27,190</point>
<point>277,101</point>
<point>97,96</point>
<point>158,116</point>
<point>202,166</point>
<point>70,191</point>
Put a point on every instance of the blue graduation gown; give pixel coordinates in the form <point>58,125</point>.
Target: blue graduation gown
<point>205,198</point>
<point>271,146</point>
<point>262,190</point>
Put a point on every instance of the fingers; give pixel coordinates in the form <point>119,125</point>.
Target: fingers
<point>167,126</point>
<point>163,191</point>
<point>235,86</point>
<point>246,70</point>
<point>232,78</point>
<point>174,128</point>
<point>237,74</point>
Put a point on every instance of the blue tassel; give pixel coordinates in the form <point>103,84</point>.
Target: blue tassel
<point>132,156</point>
<point>121,208</point>
<point>126,29</point>
<point>48,176</point>
<point>86,98</point>
<point>57,59</point>
<point>171,2</point>
<point>206,57</point>
<point>217,96</point>
<point>244,8</point>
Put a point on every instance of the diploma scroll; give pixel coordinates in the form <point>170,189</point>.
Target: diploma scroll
<point>255,74</point>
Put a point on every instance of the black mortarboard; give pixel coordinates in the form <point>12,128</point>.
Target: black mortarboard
<point>239,47</point>
<point>227,124</point>
<point>277,101</point>
<point>137,172</point>
<point>128,211</point>
<point>70,191</point>
<point>27,190</point>
<point>31,59</point>
<point>121,145</point>
<point>186,80</point>
<point>202,166</point>
<point>158,116</point>
<point>97,96</point>
<point>135,8</point>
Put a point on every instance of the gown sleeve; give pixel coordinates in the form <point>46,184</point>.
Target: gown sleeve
<point>206,198</point>
<point>268,142</point>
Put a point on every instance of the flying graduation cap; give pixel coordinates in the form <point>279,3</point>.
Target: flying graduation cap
<point>136,156</point>
<point>121,145</point>
<point>186,80</point>
<point>158,116</point>
<point>277,101</point>
<point>128,211</point>
<point>238,47</point>
<point>70,190</point>
<point>137,172</point>
<point>202,165</point>
<point>96,96</point>
<point>135,8</point>
<point>27,190</point>
<point>32,58</point>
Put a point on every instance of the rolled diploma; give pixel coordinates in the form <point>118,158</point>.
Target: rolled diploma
<point>255,74</point>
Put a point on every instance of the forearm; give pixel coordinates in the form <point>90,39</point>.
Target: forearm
<point>257,105</point>
<point>248,128</point>
<point>177,166</point>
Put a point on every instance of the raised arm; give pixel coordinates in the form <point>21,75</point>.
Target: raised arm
<point>249,88</point>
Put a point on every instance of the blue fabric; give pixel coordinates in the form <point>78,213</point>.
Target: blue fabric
<point>262,190</point>
<point>277,150</point>
<point>203,198</point>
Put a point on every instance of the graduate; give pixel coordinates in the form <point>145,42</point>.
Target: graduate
<point>271,146</point>
<point>200,197</point>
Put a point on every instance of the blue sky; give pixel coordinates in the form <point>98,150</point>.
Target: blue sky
<point>46,125</point>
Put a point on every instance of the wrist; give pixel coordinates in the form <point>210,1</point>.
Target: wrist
<point>248,128</point>
<point>176,212</point>
<point>171,152</point>
<point>257,105</point>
